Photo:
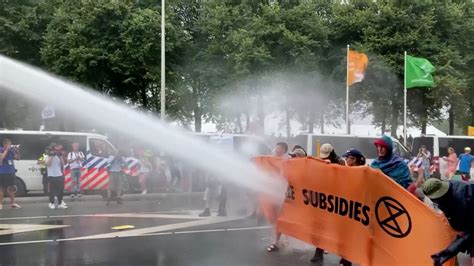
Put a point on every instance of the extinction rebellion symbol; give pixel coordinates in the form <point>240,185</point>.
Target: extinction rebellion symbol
<point>392,217</point>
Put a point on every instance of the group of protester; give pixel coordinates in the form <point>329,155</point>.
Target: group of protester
<point>454,198</point>
<point>55,158</point>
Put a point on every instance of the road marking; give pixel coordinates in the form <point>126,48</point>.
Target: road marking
<point>156,229</point>
<point>26,242</point>
<point>149,215</point>
<point>8,229</point>
<point>140,215</point>
<point>142,235</point>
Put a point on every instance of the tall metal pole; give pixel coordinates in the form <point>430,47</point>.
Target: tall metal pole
<point>348,129</point>
<point>405,100</point>
<point>163,81</point>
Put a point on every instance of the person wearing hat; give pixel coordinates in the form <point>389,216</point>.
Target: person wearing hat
<point>326,153</point>
<point>465,162</point>
<point>297,152</point>
<point>391,164</point>
<point>354,158</point>
<point>454,199</point>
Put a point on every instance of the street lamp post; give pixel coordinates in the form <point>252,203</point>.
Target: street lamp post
<point>163,81</point>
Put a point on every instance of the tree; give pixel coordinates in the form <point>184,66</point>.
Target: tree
<point>113,47</point>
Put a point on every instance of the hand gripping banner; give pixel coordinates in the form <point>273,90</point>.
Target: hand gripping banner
<point>357,213</point>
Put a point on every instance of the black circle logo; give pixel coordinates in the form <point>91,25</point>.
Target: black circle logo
<point>392,217</point>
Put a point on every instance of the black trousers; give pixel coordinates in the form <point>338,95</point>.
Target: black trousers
<point>56,188</point>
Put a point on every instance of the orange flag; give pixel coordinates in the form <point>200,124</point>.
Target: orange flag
<point>357,64</point>
<point>358,213</point>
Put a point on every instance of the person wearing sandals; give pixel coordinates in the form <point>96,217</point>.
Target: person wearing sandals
<point>281,150</point>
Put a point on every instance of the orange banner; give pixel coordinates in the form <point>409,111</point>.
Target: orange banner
<point>357,64</point>
<point>357,213</point>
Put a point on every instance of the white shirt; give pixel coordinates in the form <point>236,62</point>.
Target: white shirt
<point>73,156</point>
<point>55,169</point>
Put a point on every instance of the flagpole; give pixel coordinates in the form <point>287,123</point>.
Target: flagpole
<point>348,130</point>
<point>405,99</point>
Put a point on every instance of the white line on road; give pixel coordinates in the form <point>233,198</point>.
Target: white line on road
<point>160,228</point>
<point>26,242</point>
<point>138,215</point>
<point>8,229</point>
<point>143,235</point>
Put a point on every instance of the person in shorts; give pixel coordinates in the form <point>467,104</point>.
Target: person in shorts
<point>115,177</point>
<point>8,154</point>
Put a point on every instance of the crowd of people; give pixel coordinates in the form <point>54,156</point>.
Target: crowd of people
<point>452,197</point>
<point>56,158</point>
<point>451,194</point>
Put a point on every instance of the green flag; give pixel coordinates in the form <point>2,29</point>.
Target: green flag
<point>418,72</point>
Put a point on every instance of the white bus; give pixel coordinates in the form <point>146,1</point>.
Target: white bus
<point>33,144</point>
<point>438,146</point>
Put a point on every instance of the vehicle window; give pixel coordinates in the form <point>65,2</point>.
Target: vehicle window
<point>401,151</point>
<point>419,141</point>
<point>457,143</point>
<point>68,140</point>
<point>100,147</point>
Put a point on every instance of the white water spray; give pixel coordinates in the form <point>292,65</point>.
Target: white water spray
<point>43,87</point>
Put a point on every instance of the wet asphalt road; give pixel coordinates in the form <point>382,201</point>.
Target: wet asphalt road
<point>162,235</point>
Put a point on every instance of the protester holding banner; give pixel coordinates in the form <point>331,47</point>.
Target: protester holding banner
<point>297,152</point>
<point>280,150</point>
<point>354,158</point>
<point>455,199</point>
<point>326,153</point>
<point>391,164</point>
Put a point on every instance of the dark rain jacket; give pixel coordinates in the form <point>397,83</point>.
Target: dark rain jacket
<point>458,206</point>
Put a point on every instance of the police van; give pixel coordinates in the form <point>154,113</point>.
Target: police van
<point>32,144</point>
<point>342,143</point>
<point>438,146</point>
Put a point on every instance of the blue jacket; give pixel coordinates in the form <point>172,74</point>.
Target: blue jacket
<point>393,165</point>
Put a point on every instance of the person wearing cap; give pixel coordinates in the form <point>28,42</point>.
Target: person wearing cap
<point>326,153</point>
<point>297,152</point>
<point>465,162</point>
<point>354,158</point>
<point>391,164</point>
<point>454,199</point>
